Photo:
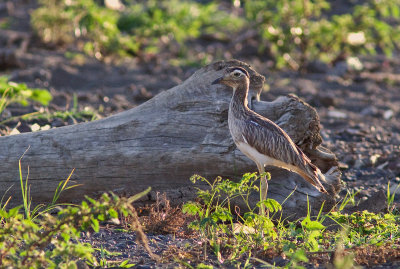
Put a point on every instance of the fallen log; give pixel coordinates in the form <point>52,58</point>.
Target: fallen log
<point>161,143</point>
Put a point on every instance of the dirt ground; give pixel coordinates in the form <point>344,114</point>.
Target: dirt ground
<point>359,110</point>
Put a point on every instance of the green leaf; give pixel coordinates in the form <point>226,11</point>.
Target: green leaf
<point>101,217</point>
<point>312,225</point>
<point>125,264</point>
<point>42,96</point>
<point>13,212</point>
<point>191,208</point>
<point>71,265</point>
<point>139,195</point>
<point>91,200</point>
<point>204,266</point>
<point>207,221</point>
<point>221,214</point>
<point>3,213</point>
<point>271,204</point>
<point>66,236</point>
<point>300,255</point>
<point>113,213</point>
<point>95,225</point>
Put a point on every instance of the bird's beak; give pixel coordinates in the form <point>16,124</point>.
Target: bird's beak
<point>217,81</point>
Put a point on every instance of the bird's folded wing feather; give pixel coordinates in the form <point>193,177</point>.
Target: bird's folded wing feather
<point>269,139</point>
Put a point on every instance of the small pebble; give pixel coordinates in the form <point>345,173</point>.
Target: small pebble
<point>388,114</point>
<point>14,132</point>
<point>35,127</point>
<point>120,245</point>
<point>343,165</point>
<point>354,63</point>
<point>45,127</point>
<point>374,158</point>
<point>337,114</point>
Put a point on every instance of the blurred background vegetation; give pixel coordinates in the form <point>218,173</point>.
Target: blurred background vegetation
<point>291,33</point>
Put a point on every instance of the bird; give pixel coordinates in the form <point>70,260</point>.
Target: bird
<point>260,139</point>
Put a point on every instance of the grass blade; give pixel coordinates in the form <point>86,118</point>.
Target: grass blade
<point>139,195</point>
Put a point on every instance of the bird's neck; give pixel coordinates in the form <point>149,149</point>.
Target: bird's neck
<point>239,100</point>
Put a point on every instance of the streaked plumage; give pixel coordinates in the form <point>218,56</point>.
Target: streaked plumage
<point>261,139</point>
<point>274,143</point>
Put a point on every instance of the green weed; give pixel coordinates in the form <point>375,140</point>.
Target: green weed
<point>390,197</point>
<point>11,92</point>
<point>37,239</point>
<point>296,32</point>
<point>241,239</point>
<point>293,32</point>
<point>141,28</point>
<point>40,209</point>
<point>52,241</point>
<point>217,224</point>
<point>74,114</point>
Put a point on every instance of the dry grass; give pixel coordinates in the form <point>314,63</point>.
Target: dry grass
<point>161,218</point>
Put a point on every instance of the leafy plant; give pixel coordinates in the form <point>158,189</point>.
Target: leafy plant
<point>38,239</point>
<point>140,28</point>
<point>11,92</point>
<point>312,230</point>
<point>216,222</point>
<point>240,239</point>
<point>368,228</point>
<point>41,208</point>
<point>74,114</point>
<point>296,257</point>
<point>296,32</point>
<point>52,241</point>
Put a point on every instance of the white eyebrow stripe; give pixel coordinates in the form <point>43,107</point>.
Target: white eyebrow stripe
<point>238,71</point>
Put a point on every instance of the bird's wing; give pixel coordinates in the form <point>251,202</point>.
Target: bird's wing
<point>269,139</point>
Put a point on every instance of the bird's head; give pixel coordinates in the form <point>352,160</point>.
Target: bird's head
<point>233,77</point>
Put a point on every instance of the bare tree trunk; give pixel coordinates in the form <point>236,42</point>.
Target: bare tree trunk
<point>161,143</point>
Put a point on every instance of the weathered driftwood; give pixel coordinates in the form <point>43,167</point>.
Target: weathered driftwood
<point>161,143</point>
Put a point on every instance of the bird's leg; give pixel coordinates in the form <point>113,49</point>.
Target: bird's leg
<point>263,195</point>
<point>263,188</point>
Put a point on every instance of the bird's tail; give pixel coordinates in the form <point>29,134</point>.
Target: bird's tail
<point>313,176</point>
